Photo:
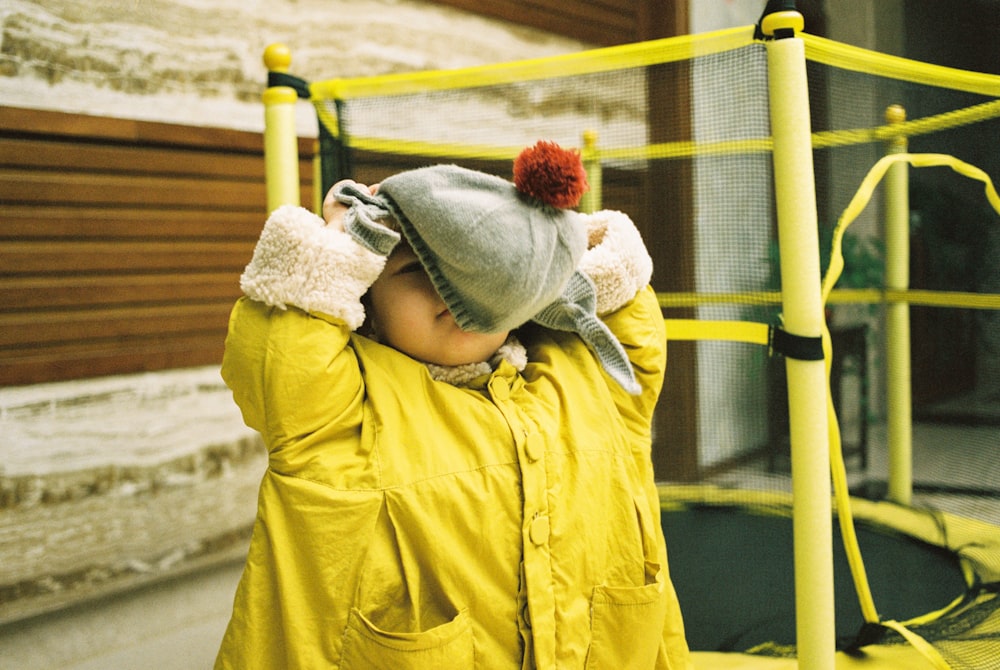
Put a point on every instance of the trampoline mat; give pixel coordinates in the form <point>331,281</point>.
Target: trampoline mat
<point>732,569</point>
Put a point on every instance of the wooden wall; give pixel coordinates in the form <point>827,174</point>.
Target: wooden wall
<point>122,242</point>
<point>602,22</point>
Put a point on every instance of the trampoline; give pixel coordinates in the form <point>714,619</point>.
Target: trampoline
<point>711,144</point>
<point>936,570</point>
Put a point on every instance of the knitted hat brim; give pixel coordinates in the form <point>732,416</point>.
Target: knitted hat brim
<point>495,256</point>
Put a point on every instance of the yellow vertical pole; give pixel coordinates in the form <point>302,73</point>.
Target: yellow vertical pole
<point>802,306</point>
<point>899,412</point>
<point>281,144</point>
<point>318,194</point>
<point>591,200</point>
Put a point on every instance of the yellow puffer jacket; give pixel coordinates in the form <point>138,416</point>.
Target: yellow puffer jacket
<point>405,522</point>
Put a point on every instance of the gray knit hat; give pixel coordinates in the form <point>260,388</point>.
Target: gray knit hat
<point>499,253</point>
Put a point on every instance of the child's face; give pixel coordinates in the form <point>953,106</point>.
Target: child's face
<point>408,315</point>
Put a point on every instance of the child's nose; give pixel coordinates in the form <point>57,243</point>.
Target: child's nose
<point>439,302</point>
<point>432,295</point>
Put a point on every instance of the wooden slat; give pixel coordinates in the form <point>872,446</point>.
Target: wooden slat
<point>62,258</point>
<point>621,6</point>
<point>139,191</point>
<point>110,323</point>
<point>21,366</point>
<point>38,293</point>
<point>25,222</point>
<point>21,121</point>
<point>67,155</point>
<point>599,23</point>
<point>603,22</point>
<point>617,17</point>
<point>18,187</point>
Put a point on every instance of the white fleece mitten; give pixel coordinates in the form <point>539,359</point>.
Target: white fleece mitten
<point>300,261</point>
<point>617,260</point>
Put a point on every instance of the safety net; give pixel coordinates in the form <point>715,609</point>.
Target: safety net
<point>677,133</point>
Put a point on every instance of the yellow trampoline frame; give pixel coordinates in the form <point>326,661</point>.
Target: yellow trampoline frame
<point>814,434</point>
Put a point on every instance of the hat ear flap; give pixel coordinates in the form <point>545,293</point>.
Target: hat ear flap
<point>575,311</point>
<point>365,217</point>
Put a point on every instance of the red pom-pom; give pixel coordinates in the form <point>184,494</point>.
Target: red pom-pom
<point>551,174</point>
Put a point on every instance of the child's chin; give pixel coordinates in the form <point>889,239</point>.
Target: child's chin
<point>455,358</point>
<point>465,349</point>
<point>454,362</point>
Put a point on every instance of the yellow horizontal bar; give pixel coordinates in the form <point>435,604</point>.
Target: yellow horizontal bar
<point>824,139</point>
<point>686,149</point>
<point>929,124</point>
<point>689,149</point>
<point>451,151</point>
<point>924,298</point>
<point>653,52</point>
<point>663,51</point>
<point>847,57</point>
<point>731,331</point>
<point>692,299</point>
<point>858,296</point>
<point>592,61</point>
<point>954,299</point>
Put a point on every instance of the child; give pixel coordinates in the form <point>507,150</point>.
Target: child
<point>468,484</point>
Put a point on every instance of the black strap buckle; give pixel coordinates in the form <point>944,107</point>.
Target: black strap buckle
<point>799,347</point>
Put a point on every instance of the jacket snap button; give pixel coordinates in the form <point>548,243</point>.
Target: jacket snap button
<point>500,391</point>
<point>539,530</point>
<point>533,448</point>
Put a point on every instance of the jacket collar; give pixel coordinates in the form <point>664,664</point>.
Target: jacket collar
<point>511,351</point>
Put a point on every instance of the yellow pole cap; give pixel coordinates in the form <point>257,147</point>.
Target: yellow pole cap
<point>776,21</point>
<point>895,114</point>
<point>277,57</point>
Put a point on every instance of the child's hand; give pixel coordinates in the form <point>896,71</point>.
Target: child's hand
<point>334,209</point>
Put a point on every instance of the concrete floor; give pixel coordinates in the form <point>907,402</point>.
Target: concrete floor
<point>175,625</point>
<point>956,469</point>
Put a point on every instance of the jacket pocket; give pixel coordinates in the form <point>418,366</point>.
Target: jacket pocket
<point>449,645</point>
<point>626,626</point>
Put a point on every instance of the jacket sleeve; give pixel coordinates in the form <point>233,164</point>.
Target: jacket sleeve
<point>286,357</point>
<point>300,261</point>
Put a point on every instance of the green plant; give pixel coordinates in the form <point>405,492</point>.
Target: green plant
<point>864,260</point>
